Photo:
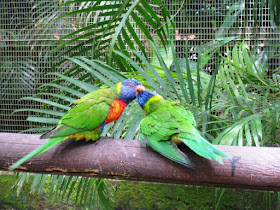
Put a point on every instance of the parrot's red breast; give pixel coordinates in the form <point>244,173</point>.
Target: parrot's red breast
<point>115,111</point>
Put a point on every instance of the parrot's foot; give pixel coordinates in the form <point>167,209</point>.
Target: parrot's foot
<point>106,137</point>
<point>102,138</point>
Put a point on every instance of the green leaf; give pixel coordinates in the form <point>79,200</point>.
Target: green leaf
<point>78,192</point>
<point>46,102</point>
<point>155,74</point>
<point>42,184</point>
<point>231,133</point>
<point>122,23</point>
<point>230,18</point>
<point>58,186</point>
<point>43,120</point>
<point>52,186</point>
<point>134,123</point>
<point>73,183</point>
<point>248,135</point>
<point>240,137</point>
<point>87,192</point>
<point>44,111</point>
<point>225,85</point>
<point>180,76</point>
<point>66,184</point>
<point>220,198</point>
<point>211,88</point>
<point>234,89</point>
<point>153,17</point>
<point>118,75</point>
<point>40,129</point>
<point>35,182</point>
<point>84,189</point>
<point>140,70</point>
<point>135,37</point>
<point>258,128</point>
<point>120,123</point>
<point>83,85</point>
<point>141,25</point>
<point>103,71</point>
<point>24,177</point>
<point>274,11</point>
<point>166,71</point>
<point>198,77</point>
<point>60,96</point>
<point>189,76</point>
<point>67,89</point>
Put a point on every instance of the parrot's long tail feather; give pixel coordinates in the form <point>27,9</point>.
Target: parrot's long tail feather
<point>59,131</point>
<point>48,133</point>
<point>205,149</point>
<point>49,144</point>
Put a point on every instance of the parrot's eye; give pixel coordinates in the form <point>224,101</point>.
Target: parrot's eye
<point>130,85</point>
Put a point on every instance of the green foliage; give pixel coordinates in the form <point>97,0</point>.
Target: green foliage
<point>85,192</point>
<point>107,25</point>
<point>131,195</point>
<point>10,198</point>
<point>250,100</point>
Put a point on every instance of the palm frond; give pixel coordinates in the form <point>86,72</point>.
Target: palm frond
<point>248,102</point>
<point>108,27</point>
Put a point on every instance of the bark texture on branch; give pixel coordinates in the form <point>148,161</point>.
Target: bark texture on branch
<point>250,168</point>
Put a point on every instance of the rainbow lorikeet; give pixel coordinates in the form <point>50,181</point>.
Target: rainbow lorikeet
<point>167,122</point>
<point>87,119</point>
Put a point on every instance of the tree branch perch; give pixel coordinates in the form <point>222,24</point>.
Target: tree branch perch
<point>255,168</point>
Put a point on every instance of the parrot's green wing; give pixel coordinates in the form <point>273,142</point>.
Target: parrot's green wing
<point>169,150</point>
<point>187,115</point>
<point>82,117</point>
<point>86,116</point>
<point>155,131</point>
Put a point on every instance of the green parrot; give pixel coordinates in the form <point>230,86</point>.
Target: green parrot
<point>87,119</point>
<point>167,122</point>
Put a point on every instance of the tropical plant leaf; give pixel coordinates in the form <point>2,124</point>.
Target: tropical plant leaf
<point>231,17</point>
<point>104,35</point>
<point>246,87</point>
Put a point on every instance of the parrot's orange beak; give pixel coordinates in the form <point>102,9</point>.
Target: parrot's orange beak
<point>139,88</point>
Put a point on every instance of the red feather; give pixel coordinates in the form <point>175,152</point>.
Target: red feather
<point>115,111</point>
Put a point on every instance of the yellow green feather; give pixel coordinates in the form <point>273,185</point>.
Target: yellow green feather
<point>119,86</point>
<point>152,100</point>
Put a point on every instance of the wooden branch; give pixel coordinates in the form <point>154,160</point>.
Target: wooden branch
<point>251,167</point>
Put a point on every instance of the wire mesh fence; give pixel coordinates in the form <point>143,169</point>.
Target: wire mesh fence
<point>27,35</point>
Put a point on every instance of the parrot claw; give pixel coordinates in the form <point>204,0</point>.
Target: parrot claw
<point>102,138</point>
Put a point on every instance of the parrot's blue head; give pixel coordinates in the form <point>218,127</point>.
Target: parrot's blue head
<point>127,89</point>
<point>143,96</point>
